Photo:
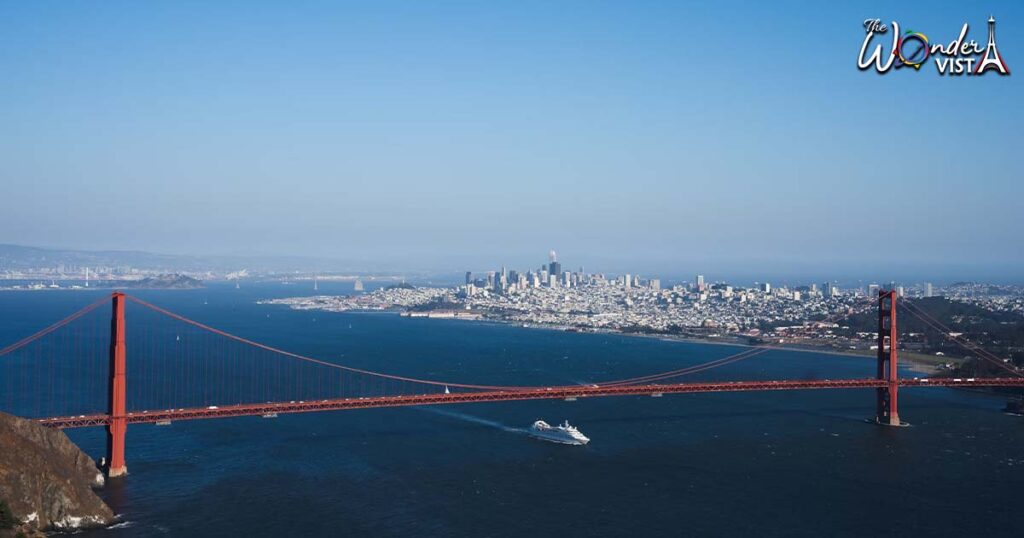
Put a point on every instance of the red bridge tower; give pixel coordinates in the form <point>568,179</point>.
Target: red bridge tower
<point>118,424</point>
<point>887,410</point>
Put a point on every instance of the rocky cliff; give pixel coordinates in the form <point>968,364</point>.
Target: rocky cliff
<point>46,480</point>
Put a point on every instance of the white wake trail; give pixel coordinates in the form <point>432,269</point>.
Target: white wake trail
<point>472,419</point>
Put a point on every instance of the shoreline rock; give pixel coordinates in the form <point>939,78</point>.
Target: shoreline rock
<point>46,480</point>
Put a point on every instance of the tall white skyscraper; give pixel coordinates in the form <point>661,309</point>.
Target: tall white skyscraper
<point>928,291</point>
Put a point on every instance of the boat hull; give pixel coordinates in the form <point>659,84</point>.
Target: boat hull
<point>559,440</point>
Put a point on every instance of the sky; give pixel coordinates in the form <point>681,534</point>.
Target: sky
<point>658,137</point>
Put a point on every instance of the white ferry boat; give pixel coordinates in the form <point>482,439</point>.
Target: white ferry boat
<point>563,433</point>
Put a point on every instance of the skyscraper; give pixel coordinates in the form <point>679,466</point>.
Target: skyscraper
<point>554,268</point>
<point>469,277</point>
<point>928,291</point>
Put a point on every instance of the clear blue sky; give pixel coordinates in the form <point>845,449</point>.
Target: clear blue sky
<point>660,137</point>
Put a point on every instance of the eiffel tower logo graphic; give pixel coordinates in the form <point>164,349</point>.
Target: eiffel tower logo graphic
<point>991,59</point>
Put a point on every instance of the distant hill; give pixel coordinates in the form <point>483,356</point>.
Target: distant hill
<point>164,282</point>
<point>956,315</point>
<point>1000,333</point>
<point>22,257</point>
<point>18,257</point>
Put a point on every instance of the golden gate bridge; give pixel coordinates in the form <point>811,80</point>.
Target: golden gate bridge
<point>75,374</point>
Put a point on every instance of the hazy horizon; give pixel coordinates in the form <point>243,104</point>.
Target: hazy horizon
<point>663,139</point>
<point>738,273</point>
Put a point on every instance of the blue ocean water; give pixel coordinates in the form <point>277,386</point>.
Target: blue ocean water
<point>770,464</point>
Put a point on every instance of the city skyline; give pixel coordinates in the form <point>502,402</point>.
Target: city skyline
<point>28,263</point>
<point>553,275</point>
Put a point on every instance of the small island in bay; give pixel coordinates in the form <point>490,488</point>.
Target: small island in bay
<point>163,282</point>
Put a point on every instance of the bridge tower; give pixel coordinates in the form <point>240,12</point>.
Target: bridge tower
<point>887,411</point>
<point>118,424</point>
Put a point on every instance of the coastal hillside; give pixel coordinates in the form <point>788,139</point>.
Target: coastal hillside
<point>999,333</point>
<point>45,480</point>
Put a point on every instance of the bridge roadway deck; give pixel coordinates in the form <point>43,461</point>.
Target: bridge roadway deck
<point>539,393</point>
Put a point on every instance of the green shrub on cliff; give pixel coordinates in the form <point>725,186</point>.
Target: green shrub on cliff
<point>7,520</point>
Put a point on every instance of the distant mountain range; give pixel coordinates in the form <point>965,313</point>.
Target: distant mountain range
<point>18,257</point>
<point>22,257</point>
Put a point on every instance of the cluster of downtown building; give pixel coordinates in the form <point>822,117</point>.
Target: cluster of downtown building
<point>550,295</point>
<point>552,276</point>
<point>548,276</point>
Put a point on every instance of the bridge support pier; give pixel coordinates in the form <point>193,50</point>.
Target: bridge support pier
<point>887,410</point>
<point>118,425</point>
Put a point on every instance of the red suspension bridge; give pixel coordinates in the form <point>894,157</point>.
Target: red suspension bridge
<point>185,370</point>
